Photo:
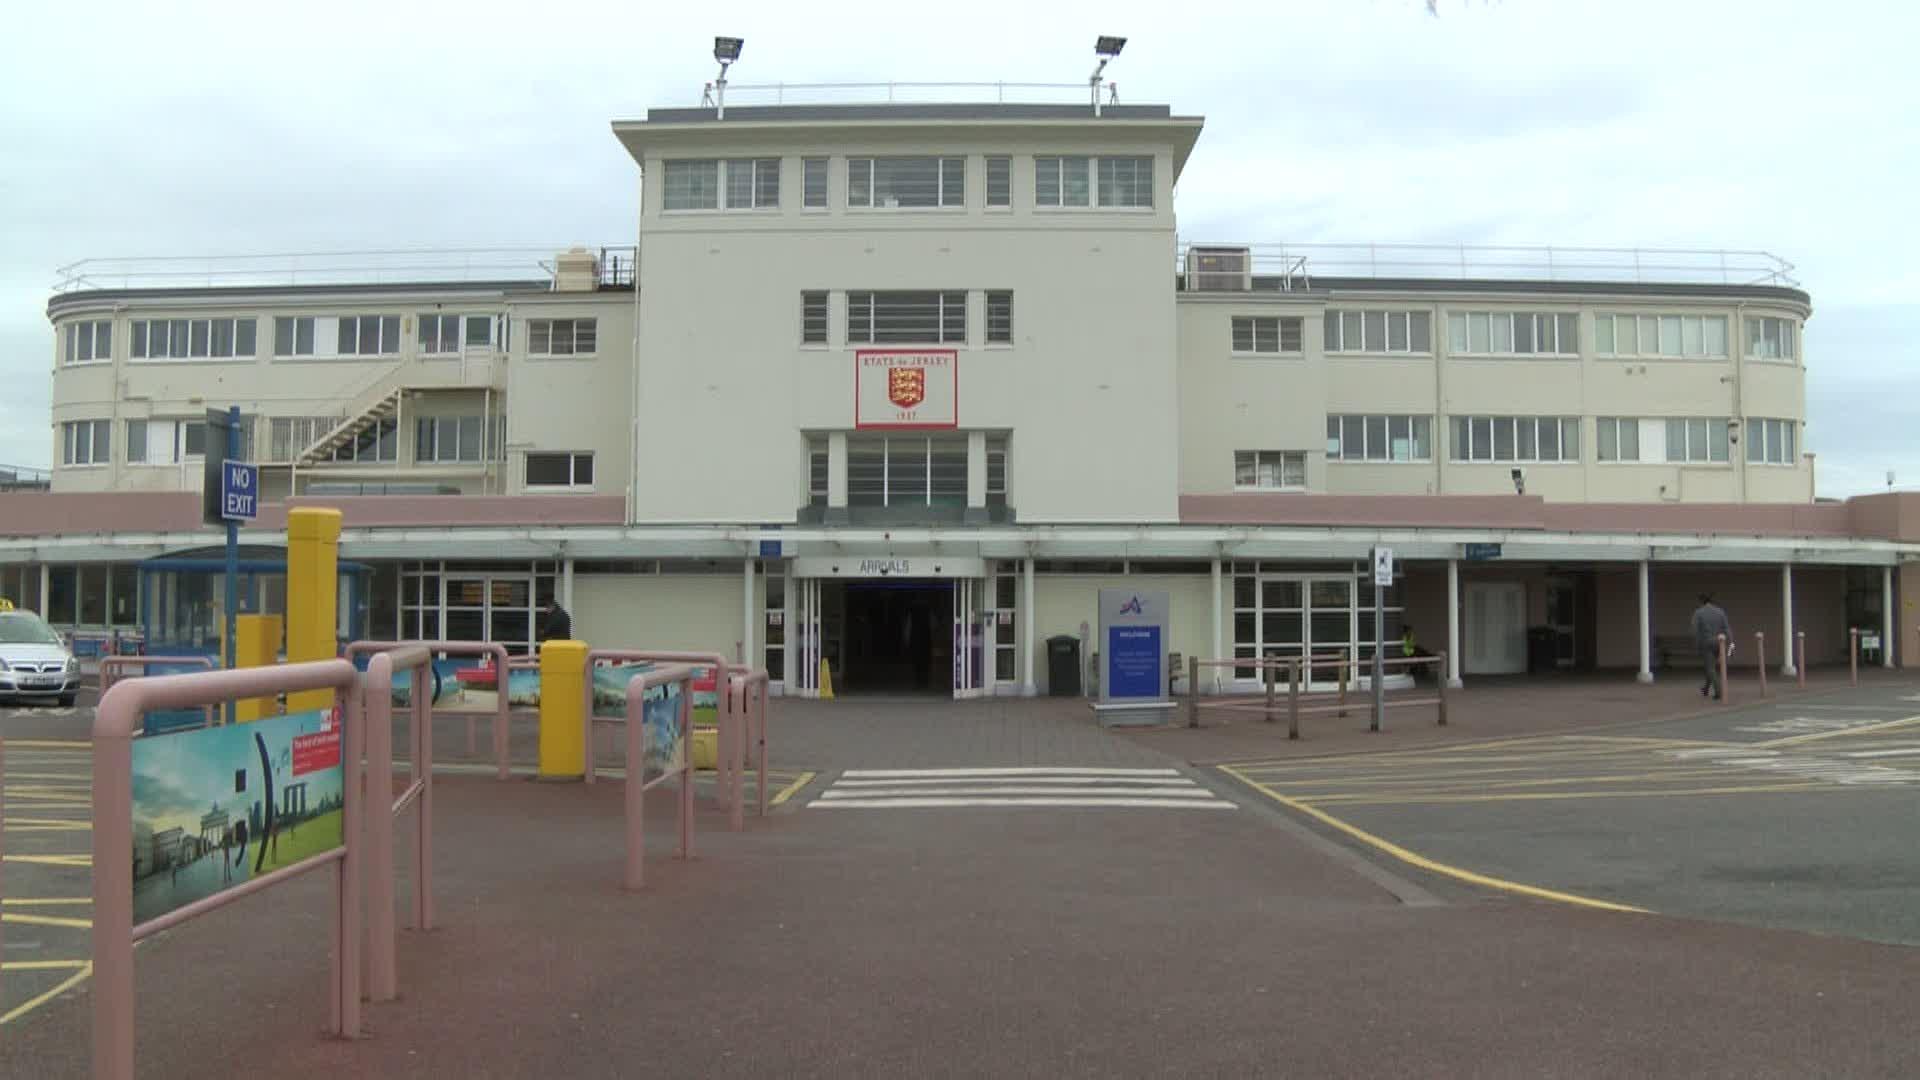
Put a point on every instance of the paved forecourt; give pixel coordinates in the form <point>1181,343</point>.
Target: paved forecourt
<point>1786,814</point>
<point>46,899</point>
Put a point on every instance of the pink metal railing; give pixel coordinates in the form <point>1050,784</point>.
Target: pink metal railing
<point>732,740</point>
<point>756,701</point>
<point>112,667</point>
<point>636,778</point>
<point>114,932</point>
<point>501,664</point>
<point>382,931</point>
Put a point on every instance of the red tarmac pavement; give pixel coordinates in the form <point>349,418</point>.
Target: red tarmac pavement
<point>983,942</point>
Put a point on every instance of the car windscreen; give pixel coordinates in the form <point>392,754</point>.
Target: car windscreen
<point>26,630</point>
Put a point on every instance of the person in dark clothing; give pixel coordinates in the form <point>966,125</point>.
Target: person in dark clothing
<point>555,623</point>
<point>1709,625</point>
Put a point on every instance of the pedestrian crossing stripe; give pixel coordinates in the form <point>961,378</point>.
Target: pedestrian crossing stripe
<point>1064,786</point>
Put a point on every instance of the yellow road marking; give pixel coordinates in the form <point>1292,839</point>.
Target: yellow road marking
<point>49,796</point>
<point>49,744</point>
<point>1399,760</point>
<point>787,792</point>
<point>1421,861</point>
<point>43,901</point>
<point>42,965</point>
<point>1796,740</point>
<point>21,824</point>
<point>1547,796</point>
<point>50,776</point>
<point>69,983</point>
<point>48,920</point>
<point>51,860</point>
<point>1444,784</point>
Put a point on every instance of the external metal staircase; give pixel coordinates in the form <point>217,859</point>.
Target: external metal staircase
<point>384,405</point>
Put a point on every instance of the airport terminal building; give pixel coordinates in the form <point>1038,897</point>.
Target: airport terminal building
<point>900,387</point>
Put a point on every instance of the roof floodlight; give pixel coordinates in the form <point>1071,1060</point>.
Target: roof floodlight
<point>727,49</point>
<point>1108,46</point>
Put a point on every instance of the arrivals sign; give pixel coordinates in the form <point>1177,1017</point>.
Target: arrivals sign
<point>906,388</point>
<point>216,806</point>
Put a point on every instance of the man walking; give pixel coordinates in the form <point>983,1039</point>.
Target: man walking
<point>1709,625</point>
<point>555,623</point>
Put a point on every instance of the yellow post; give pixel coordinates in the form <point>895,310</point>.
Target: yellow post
<point>256,640</point>
<point>826,681</point>
<point>313,593</point>
<point>563,724</point>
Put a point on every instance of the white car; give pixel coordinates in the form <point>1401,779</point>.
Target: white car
<point>34,662</point>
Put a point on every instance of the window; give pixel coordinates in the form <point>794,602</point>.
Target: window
<point>1515,438</point>
<point>813,318</point>
<point>1618,438</point>
<point>880,318</point>
<point>89,342</point>
<point>557,469</point>
<point>449,439</point>
<point>136,442</point>
<point>1379,332</point>
<point>379,442</point>
<point>289,436</point>
<point>907,471</point>
<point>1266,334</point>
<point>1770,442</point>
<point>1270,470</point>
<point>561,337</point>
<point>819,470</point>
<point>996,470</point>
<point>1125,182</point>
<point>293,336</point>
<point>192,339</point>
<point>813,183</point>
<point>86,442</point>
<point>369,335</point>
<point>906,183</point>
<point>1770,339</point>
<point>999,318</point>
<point>1379,438</point>
<point>1687,336</point>
<point>753,183</point>
<point>1521,333</point>
<point>440,334</point>
<point>999,181</point>
<point>692,185</point>
<point>1697,439</point>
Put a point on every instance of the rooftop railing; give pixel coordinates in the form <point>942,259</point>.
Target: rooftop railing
<point>371,267</point>
<point>908,93</point>
<point>1289,266</point>
<point>24,478</point>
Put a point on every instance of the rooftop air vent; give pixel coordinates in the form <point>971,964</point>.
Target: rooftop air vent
<point>1219,269</point>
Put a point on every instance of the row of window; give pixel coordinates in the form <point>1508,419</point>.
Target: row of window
<point>1503,333</point>
<point>908,182</point>
<point>906,470</point>
<point>228,337</point>
<point>1521,440</point>
<point>901,317</point>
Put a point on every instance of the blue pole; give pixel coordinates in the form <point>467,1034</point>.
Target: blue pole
<point>233,553</point>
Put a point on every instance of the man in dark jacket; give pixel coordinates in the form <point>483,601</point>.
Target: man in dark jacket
<point>1709,624</point>
<point>555,623</point>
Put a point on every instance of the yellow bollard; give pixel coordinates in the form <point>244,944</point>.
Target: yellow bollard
<point>313,595</point>
<point>826,681</point>
<point>256,641</point>
<point>563,693</point>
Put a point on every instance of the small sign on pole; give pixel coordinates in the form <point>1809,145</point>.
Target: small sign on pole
<point>239,491</point>
<point>1382,581</point>
<point>1383,567</point>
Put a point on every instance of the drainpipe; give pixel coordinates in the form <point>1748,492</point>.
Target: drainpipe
<point>633,365</point>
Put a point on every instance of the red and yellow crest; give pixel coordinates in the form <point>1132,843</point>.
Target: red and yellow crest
<point>907,387</point>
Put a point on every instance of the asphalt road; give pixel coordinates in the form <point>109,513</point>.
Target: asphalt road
<point>45,912</point>
<point>1790,815</point>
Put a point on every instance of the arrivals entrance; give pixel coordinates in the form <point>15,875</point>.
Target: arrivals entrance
<point>891,631</point>
<point>894,636</point>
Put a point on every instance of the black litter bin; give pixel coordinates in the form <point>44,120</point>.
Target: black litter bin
<point>1540,654</point>
<point>1063,666</point>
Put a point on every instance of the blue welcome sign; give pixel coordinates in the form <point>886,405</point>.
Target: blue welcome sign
<point>1133,645</point>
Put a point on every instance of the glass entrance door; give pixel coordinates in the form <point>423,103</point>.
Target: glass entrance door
<point>492,607</point>
<point>969,639</point>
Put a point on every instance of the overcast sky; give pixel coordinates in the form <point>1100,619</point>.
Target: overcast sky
<point>215,128</point>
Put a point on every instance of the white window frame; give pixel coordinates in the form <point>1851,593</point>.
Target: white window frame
<point>89,341</point>
<point>808,167</point>
<point>95,455</point>
<point>1651,332</point>
<point>574,460</point>
<point>1784,346</point>
<point>673,169</point>
<point>1287,467</point>
<point>1524,438</point>
<point>925,445</point>
<point>870,165</point>
<point>1772,441</point>
<point>300,433</point>
<point>823,299</point>
<point>947,300</point>
<point>127,430</point>
<point>200,333</point>
<point>443,436</point>
<point>443,344</point>
<point>1003,164</point>
<point>1389,427</point>
<point>1491,327</point>
<point>1620,427</point>
<point>1051,174</point>
<point>1001,336</point>
<point>1362,324</point>
<point>756,195</point>
<point>537,329</point>
<point>308,323</point>
<point>1259,333</point>
<point>386,329</point>
<point>1700,428</point>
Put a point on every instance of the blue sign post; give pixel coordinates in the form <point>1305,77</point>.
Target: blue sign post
<point>231,496</point>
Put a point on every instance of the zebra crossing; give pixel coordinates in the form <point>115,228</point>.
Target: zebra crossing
<point>1052,787</point>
